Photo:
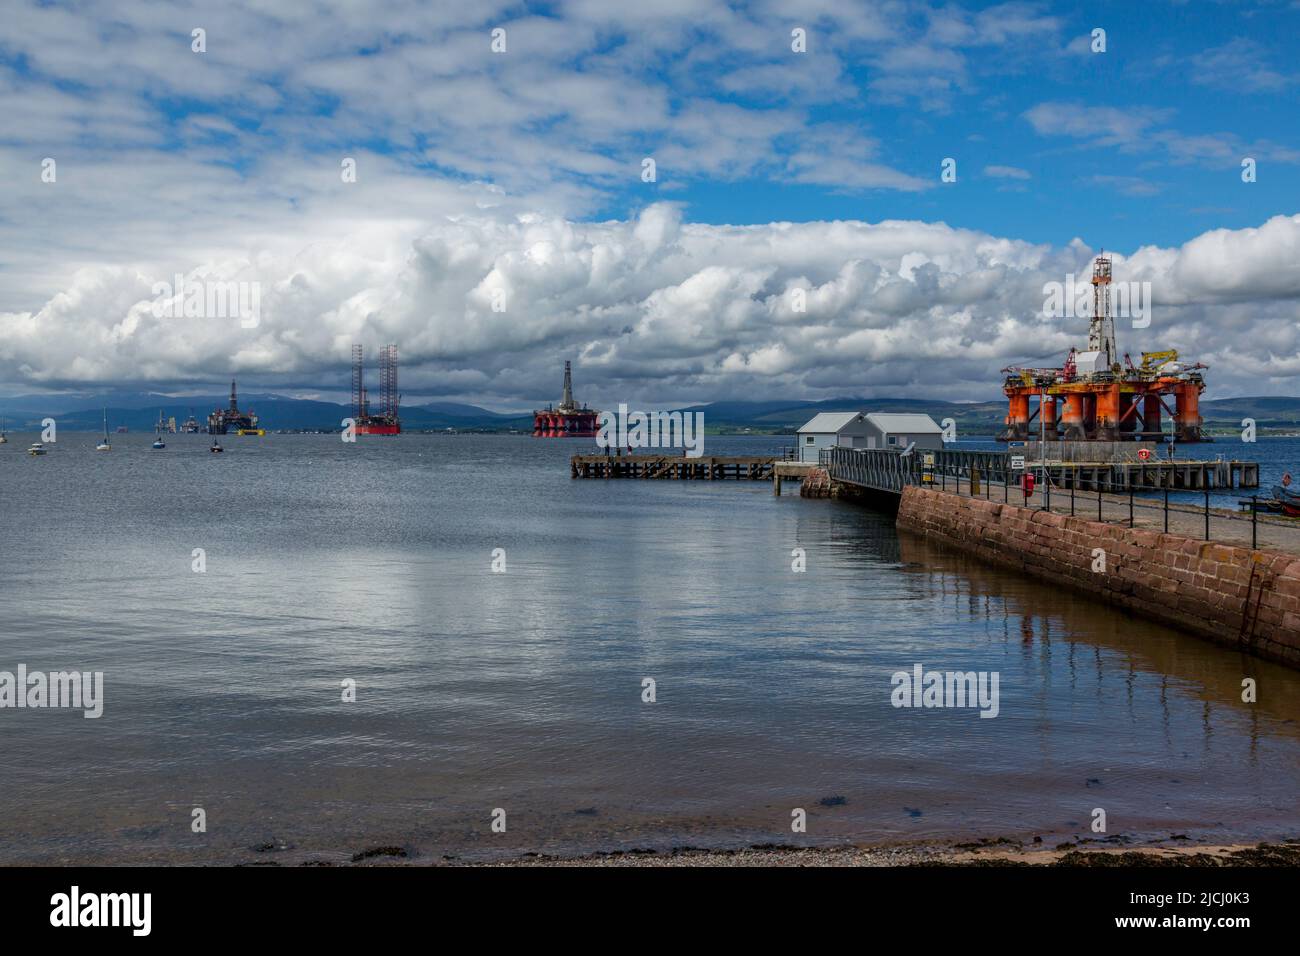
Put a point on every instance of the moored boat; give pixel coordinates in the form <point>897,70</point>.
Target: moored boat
<point>1289,500</point>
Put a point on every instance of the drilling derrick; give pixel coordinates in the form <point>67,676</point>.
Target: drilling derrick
<point>1094,396</point>
<point>1101,332</point>
<point>387,422</point>
<point>388,372</point>
<point>358,387</point>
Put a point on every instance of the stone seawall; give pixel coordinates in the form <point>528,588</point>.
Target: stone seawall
<point>1228,594</point>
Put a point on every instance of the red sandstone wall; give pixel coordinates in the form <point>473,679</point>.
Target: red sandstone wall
<point>1196,586</point>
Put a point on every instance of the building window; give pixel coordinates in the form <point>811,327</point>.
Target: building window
<point>810,439</point>
<point>893,439</point>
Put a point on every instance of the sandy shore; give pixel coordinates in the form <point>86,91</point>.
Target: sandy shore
<point>988,853</point>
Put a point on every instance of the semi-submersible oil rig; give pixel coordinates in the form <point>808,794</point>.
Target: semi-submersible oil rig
<point>222,421</point>
<point>568,420</point>
<point>1096,397</point>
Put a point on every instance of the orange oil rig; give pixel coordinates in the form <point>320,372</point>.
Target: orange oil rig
<point>567,420</point>
<point>1096,397</point>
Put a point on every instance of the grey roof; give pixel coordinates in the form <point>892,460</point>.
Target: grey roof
<point>829,421</point>
<point>904,422</point>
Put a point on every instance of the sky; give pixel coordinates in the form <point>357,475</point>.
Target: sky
<point>692,201</point>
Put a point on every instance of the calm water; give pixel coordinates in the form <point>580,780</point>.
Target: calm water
<point>522,690</point>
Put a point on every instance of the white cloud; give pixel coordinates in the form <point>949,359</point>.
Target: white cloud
<point>657,309</point>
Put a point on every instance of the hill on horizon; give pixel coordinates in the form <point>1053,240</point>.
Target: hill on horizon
<point>773,416</point>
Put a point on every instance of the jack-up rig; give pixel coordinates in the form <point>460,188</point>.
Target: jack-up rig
<point>386,422</point>
<point>567,420</point>
<point>1096,397</point>
<point>222,420</point>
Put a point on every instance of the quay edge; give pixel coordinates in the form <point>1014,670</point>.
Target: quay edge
<point>1248,599</point>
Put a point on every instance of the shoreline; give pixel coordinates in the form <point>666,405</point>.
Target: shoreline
<point>1002,852</point>
<point>1177,850</point>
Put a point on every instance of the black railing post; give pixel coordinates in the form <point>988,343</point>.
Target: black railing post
<point>1074,480</point>
<point>1207,507</point>
<point>1130,504</point>
<point>1166,507</point>
<point>1254,522</point>
<point>1098,480</point>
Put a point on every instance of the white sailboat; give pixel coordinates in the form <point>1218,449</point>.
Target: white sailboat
<point>158,440</point>
<point>104,445</point>
<point>3,439</point>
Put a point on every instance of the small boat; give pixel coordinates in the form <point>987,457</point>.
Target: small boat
<point>216,448</point>
<point>104,445</point>
<point>3,439</point>
<point>36,448</point>
<point>158,443</point>
<point>1289,500</point>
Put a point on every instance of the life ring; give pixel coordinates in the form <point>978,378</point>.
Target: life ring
<point>1144,453</point>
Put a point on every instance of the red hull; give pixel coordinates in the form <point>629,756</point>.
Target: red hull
<point>379,429</point>
<point>560,425</point>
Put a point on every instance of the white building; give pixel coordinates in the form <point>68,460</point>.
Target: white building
<point>898,430</point>
<point>863,430</point>
<point>831,429</point>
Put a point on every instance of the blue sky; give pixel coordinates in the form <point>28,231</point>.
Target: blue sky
<point>1183,73</point>
<point>518,174</point>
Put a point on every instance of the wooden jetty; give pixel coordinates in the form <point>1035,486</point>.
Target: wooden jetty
<point>674,467</point>
<point>887,470</point>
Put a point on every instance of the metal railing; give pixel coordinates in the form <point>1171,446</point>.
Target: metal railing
<point>979,473</point>
<point>885,469</point>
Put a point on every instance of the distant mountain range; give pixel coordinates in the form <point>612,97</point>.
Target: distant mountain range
<point>138,411</point>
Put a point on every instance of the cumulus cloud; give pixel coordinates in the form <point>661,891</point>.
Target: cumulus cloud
<point>658,309</point>
<point>485,179</point>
